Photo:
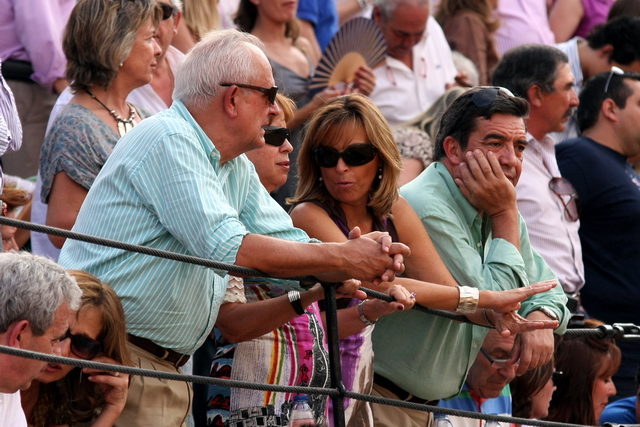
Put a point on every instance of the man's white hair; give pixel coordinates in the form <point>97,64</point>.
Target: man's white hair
<point>222,56</point>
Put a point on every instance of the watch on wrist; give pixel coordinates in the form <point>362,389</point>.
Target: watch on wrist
<point>547,311</point>
<point>362,316</point>
<point>294,299</point>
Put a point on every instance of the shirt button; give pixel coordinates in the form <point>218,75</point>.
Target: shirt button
<point>478,244</point>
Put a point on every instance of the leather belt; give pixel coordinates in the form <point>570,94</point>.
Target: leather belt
<point>402,394</point>
<point>13,69</point>
<point>177,359</point>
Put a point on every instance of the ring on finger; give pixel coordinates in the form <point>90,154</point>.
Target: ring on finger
<point>413,295</point>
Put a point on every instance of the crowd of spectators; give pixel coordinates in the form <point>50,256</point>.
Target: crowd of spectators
<point>485,168</point>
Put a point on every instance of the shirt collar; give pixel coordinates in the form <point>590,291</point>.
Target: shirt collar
<point>212,152</point>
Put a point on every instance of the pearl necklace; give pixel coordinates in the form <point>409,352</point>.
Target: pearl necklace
<point>124,125</point>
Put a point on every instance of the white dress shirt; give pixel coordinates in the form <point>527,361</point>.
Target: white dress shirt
<point>401,93</point>
<point>551,233</point>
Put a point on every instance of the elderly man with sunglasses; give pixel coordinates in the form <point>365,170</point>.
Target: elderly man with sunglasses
<point>609,189</point>
<point>542,75</point>
<point>467,202</point>
<point>179,181</point>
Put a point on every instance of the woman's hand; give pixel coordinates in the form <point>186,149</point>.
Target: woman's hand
<point>114,387</point>
<point>375,308</point>
<point>508,301</point>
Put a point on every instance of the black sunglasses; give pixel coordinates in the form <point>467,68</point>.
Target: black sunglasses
<point>270,93</point>
<point>486,96</point>
<point>556,376</point>
<point>355,155</point>
<point>167,10</point>
<point>83,346</point>
<point>275,135</point>
<point>562,187</point>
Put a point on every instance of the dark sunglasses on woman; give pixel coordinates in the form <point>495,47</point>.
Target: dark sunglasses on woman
<point>275,135</point>
<point>83,346</point>
<point>355,155</point>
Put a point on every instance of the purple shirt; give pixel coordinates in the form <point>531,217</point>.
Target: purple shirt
<point>32,31</point>
<point>595,12</point>
<point>523,21</point>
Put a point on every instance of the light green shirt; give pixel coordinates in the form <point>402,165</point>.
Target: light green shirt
<point>430,356</point>
<point>164,187</point>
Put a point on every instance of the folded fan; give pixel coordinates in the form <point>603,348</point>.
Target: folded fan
<point>358,42</point>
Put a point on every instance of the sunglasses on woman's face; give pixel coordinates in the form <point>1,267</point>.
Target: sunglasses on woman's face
<point>275,135</point>
<point>83,346</point>
<point>355,155</point>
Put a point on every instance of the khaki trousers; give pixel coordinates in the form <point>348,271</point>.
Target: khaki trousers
<point>393,416</point>
<point>153,402</point>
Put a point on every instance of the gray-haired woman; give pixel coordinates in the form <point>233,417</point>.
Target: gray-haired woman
<point>111,50</point>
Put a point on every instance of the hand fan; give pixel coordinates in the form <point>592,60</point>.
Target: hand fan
<point>358,42</point>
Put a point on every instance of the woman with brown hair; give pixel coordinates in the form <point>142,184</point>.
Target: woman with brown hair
<point>469,26</point>
<point>111,50</point>
<point>587,364</point>
<point>531,392</point>
<point>291,57</point>
<point>64,395</point>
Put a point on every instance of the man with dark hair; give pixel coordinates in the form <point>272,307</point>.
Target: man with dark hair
<point>467,203</point>
<point>615,43</point>
<point>541,75</point>
<point>609,191</point>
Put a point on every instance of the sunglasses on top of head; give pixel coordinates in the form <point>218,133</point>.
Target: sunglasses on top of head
<point>275,135</point>
<point>354,155</point>
<point>83,346</point>
<point>167,10</point>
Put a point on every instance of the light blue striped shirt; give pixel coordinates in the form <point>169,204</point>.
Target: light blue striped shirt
<point>164,187</point>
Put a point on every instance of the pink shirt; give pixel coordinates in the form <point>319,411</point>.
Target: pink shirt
<point>32,31</point>
<point>523,21</point>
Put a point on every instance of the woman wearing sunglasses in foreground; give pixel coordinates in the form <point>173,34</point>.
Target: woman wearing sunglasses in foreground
<point>63,395</point>
<point>349,166</point>
<point>276,343</point>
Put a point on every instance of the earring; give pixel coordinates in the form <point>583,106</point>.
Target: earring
<point>121,64</point>
<point>320,179</point>
<point>380,172</point>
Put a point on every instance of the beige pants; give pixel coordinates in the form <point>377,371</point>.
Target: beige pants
<point>153,402</point>
<point>393,416</point>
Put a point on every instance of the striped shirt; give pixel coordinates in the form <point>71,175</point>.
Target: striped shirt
<point>10,128</point>
<point>164,187</point>
<point>570,48</point>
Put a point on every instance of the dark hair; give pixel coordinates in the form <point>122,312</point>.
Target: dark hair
<point>247,15</point>
<point>459,120</point>
<point>580,359</point>
<point>447,9</point>
<point>593,95</point>
<point>623,34</point>
<point>528,65</point>
<point>524,387</point>
<point>624,8</point>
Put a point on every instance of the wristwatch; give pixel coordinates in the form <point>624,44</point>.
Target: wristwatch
<point>547,311</point>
